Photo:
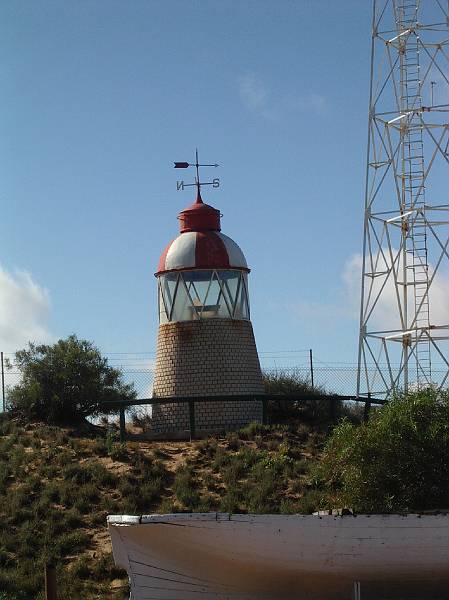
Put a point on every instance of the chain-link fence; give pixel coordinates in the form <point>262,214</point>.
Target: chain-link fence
<point>332,378</point>
<point>138,368</point>
<point>335,379</point>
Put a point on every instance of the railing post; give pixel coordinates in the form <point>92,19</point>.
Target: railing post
<point>356,591</point>
<point>51,592</point>
<point>367,408</point>
<point>192,419</point>
<point>333,401</point>
<point>122,424</point>
<point>3,384</point>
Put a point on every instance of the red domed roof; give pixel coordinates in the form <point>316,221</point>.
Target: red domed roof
<point>201,250</point>
<point>200,244</point>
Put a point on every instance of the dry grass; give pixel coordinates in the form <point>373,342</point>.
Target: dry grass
<point>56,489</point>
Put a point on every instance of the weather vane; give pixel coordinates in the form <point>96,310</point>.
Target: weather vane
<point>180,185</point>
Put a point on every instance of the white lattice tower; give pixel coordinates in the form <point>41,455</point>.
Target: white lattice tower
<point>404,316</point>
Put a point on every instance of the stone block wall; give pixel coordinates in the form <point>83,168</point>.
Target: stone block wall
<point>209,357</point>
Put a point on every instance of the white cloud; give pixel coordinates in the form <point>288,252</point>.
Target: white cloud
<point>258,98</point>
<point>386,314</point>
<point>253,93</point>
<point>24,308</point>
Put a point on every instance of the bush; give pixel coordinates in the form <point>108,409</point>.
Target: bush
<point>65,382</point>
<point>185,487</point>
<point>69,543</point>
<point>313,403</point>
<point>395,462</point>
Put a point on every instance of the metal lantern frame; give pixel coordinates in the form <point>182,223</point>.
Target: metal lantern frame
<point>406,225</point>
<point>235,304</point>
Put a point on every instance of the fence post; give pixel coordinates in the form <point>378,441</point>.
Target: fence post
<point>311,367</point>
<point>51,592</point>
<point>122,424</point>
<point>367,408</point>
<point>192,419</point>
<point>3,384</point>
<point>333,401</point>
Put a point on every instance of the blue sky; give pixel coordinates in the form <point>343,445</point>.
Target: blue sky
<point>98,98</point>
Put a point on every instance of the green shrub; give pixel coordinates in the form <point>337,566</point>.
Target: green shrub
<point>288,507</point>
<point>7,425</point>
<point>233,472</point>
<point>221,458</point>
<point>230,501</point>
<point>127,486</point>
<point>208,447</point>
<point>159,454</point>
<point>4,477</point>
<point>149,491</point>
<point>313,403</point>
<point>252,430</point>
<point>105,569</point>
<point>8,595</point>
<point>88,493</point>
<point>262,488</point>
<point>395,462</point>
<point>81,568</point>
<point>312,501</point>
<point>185,488</point>
<point>233,440</point>
<point>71,542</point>
<point>115,449</point>
<point>99,447</point>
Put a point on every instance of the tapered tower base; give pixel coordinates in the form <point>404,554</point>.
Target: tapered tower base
<point>210,357</point>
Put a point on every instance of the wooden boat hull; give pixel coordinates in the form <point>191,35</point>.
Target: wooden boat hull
<point>283,557</point>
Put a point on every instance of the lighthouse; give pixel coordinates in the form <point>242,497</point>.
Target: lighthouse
<point>205,345</point>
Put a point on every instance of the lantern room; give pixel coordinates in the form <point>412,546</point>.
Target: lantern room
<point>202,274</point>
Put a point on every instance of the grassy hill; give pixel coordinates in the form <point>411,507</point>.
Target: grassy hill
<point>57,487</point>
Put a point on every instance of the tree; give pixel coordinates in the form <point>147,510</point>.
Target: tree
<point>65,382</point>
<point>398,461</point>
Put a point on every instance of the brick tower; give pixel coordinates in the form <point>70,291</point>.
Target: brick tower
<point>205,343</point>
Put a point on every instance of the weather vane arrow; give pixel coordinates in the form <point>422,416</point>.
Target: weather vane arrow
<point>184,165</point>
<point>180,185</point>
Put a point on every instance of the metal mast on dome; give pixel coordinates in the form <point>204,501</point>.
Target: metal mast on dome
<point>404,314</point>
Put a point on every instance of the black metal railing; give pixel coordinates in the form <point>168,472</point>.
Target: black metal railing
<point>333,399</point>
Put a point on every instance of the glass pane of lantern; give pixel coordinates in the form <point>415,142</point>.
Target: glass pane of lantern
<point>183,310</point>
<point>168,285</point>
<point>163,317</point>
<point>229,283</point>
<point>246,295</point>
<point>241,308</point>
<point>197,283</point>
<point>214,305</point>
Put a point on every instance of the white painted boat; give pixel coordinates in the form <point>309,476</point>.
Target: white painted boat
<point>282,557</point>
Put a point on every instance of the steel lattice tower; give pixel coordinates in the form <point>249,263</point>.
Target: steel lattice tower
<point>404,314</point>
